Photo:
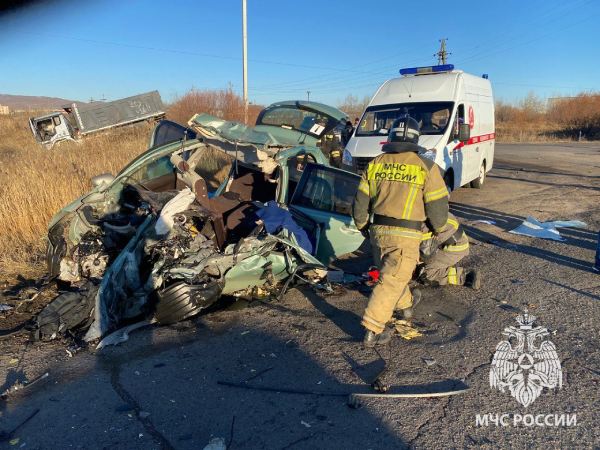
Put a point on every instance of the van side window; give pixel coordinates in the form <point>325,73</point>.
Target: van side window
<point>56,120</point>
<point>460,118</point>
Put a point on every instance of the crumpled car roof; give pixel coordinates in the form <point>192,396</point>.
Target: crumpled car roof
<point>235,131</point>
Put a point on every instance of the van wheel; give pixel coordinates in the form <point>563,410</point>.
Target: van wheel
<point>477,183</point>
<point>449,180</point>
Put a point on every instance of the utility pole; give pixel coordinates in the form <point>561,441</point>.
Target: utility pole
<point>308,96</point>
<point>442,54</point>
<point>245,59</point>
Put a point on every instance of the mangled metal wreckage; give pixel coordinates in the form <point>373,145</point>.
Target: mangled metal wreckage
<point>215,209</point>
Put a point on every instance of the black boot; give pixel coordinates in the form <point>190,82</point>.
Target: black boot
<point>417,295</point>
<point>372,339</point>
<point>473,279</point>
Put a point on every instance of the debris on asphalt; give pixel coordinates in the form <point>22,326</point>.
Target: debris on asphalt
<point>507,307</point>
<point>546,230</point>
<point>121,335</point>
<point>258,374</point>
<point>216,444</point>
<point>25,385</point>
<point>306,424</point>
<point>406,330</point>
<point>429,361</point>
<point>8,435</point>
<point>428,390</point>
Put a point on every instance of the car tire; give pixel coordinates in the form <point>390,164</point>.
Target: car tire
<point>477,183</point>
<point>181,300</point>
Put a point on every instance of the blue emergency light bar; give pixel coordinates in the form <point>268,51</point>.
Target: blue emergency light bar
<point>428,69</point>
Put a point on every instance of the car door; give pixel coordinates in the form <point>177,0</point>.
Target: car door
<point>325,194</point>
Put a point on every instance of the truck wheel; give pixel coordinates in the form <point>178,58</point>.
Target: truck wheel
<point>449,180</point>
<point>478,182</point>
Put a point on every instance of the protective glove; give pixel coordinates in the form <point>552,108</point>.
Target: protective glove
<point>429,247</point>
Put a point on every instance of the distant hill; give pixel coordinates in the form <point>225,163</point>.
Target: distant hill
<point>27,102</point>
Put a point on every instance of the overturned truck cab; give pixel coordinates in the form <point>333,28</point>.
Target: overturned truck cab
<point>214,209</point>
<point>80,119</point>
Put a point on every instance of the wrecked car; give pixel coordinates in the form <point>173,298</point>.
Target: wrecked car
<point>214,209</point>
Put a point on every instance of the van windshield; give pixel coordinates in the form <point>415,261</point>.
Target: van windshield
<point>433,117</point>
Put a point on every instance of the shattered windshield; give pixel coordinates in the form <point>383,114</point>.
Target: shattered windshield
<point>433,117</point>
<point>306,121</point>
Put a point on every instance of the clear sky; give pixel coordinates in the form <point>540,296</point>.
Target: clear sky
<point>82,49</point>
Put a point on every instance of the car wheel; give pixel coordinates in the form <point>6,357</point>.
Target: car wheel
<point>477,183</point>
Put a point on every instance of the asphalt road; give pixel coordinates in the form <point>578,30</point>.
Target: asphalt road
<point>160,389</point>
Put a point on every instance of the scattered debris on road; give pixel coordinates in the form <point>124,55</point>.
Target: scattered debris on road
<point>21,387</point>
<point>216,444</point>
<point>406,330</point>
<point>8,435</point>
<point>546,230</point>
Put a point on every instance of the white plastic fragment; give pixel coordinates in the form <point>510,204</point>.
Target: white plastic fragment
<point>121,335</point>
<point>546,230</point>
<point>216,444</point>
<point>177,204</point>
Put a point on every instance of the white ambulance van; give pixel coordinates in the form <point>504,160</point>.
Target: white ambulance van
<point>455,111</point>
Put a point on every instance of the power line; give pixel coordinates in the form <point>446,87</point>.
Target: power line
<point>546,19</point>
<point>319,78</point>
<point>192,53</point>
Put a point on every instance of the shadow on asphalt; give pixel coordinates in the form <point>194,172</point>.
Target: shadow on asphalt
<point>578,291</point>
<point>524,168</point>
<point>347,321</point>
<point>546,183</point>
<point>182,378</point>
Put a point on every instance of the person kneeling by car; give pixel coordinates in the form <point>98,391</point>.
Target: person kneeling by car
<point>441,254</point>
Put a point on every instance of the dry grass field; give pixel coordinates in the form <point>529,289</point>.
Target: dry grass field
<point>35,183</point>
